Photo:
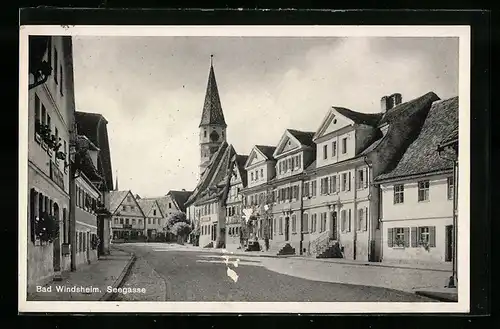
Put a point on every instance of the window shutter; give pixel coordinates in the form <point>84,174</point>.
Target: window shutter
<point>414,237</point>
<point>349,182</point>
<point>407,236</point>
<point>432,236</point>
<point>390,237</point>
<point>338,182</point>
<point>366,218</point>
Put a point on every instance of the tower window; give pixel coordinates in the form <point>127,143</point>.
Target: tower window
<point>204,133</point>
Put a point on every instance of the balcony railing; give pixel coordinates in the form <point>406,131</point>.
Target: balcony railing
<point>56,175</point>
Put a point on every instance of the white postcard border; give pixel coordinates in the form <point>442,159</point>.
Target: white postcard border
<point>463,244</point>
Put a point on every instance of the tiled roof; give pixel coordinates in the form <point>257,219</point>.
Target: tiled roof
<point>240,163</point>
<point>370,119</point>
<point>93,125</point>
<point>421,156</point>
<point>146,205</point>
<point>268,151</point>
<point>304,137</point>
<point>451,137</point>
<point>163,202</point>
<point>115,199</point>
<point>180,197</point>
<point>212,108</point>
<point>407,109</point>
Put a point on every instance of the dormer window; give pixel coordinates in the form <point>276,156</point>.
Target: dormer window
<point>344,145</point>
<point>325,152</point>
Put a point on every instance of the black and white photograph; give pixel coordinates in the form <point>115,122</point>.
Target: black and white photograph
<point>297,169</point>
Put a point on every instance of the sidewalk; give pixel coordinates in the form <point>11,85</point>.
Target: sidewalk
<point>399,278</point>
<point>108,271</point>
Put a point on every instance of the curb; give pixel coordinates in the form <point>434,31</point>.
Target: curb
<point>112,295</point>
<point>442,297</point>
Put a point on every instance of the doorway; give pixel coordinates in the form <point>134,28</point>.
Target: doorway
<point>287,228</point>
<point>449,243</point>
<point>333,225</point>
<point>56,256</point>
<point>214,232</point>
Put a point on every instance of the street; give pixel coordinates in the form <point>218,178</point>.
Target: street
<point>187,274</point>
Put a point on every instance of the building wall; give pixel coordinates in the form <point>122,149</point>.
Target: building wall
<point>207,221</point>
<point>42,162</point>
<point>337,137</point>
<point>437,212</point>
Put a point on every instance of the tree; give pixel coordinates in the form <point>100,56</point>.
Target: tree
<point>178,225</point>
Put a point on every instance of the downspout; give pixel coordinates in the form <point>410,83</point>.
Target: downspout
<point>370,208</point>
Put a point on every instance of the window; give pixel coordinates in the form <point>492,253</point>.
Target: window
<point>325,152</point>
<point>61,85</point>
<point>324,186</point>
<point>56,65</point>
<point>344,181</point>
<point>154,212</point>
<point>399,193</point>
<point>154,221</point>
<point>44,115</point>
<point>149,221</point>
<point>313,223</point>
<point>204,133</point>
<point>274,226</point>
<point>361,220</point>
<point>298,161</point>
<point>262,173</point>
<point>133,221</point>
<point>322,223</point>
<point>296,192</point>
<point>293,163</point>
<point>398,237</point>
<point>127,221</point>
<point>423,235</point>
<point>116,221</point>
<point>251,176</point>
<point>169,205</point>
<point>37,114</point>
<point>333,184</point>
<point>344,145</point>
<point>124,208</point>
<point>423,191</point>
<point>450,188</point>
<point>140,221</point>
<point>343,219</point>
<point>334,149</point>
<point>294,223</point>
<point>305,192</point>
<point>129,199</point>
<point>361,179</point>
<point>121,221</point>
<point>305,223</point>
<point>313,188</point>
<point>281,225</point>
<point>132,208</point>
<point>349,221</point>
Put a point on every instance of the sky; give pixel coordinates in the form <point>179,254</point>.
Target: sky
<point>151,90</point>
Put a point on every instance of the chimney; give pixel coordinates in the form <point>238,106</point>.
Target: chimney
<point>396,99</point>
<point>183,190</point>
<point>384,104</point>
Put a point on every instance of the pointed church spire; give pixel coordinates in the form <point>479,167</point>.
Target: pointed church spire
<point>116,183</point>
<point>212,109</point>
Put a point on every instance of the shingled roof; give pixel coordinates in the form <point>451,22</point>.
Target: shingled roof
<point>93,125</point>
<point>146,205</point>
<point>304,137</point>
<point>212,109</point>
<point>180,198</point>
<point>268,151</point>
<point>370,119</point>
<point>421,156</point>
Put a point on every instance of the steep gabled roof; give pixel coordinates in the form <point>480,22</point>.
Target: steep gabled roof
<point>93,126</point>
<point>304,137</point>
<point>421,156</point>
<point>180,198</point>
<point>115,199</point>
<point>370,119</point>
<point>212,108</point>
<point>146,205</point>
<point>268,151</point>
<point>240,165</point>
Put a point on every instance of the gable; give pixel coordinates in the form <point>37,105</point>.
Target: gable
<point>336,123</point>
<point>132,208</point>
<point>235,176</point>
<point>255,157</point>
<point>287,143</point>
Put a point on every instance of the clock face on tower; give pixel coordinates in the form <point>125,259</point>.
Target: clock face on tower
<point>214,136</point>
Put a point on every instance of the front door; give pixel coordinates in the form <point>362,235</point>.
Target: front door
<point>214,232</point>
<point>449,243</point>
<point>333,225</point>
<point>287,228</point>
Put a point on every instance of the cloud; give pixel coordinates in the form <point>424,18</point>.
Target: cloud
<point>151,90</point>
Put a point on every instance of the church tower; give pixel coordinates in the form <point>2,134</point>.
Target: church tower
<point>212,125</point>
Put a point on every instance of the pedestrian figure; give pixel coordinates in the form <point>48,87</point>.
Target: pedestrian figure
<point>266,241</point>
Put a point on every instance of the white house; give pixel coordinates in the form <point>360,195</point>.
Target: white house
<point>418,193</point>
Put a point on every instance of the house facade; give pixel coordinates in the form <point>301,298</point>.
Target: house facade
<point>128,219</point>
<point>50,114</point>
<point>418,194</point>
<point>154,218</point>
